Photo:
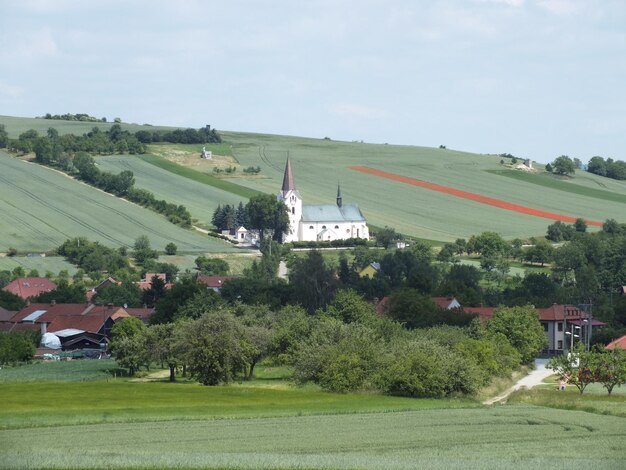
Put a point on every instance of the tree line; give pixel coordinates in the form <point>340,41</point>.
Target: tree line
<point>344,347</point>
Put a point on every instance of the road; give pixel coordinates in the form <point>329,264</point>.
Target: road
<point>535,377</point>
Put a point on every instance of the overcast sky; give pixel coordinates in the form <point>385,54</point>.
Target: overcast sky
<point>535,78</point>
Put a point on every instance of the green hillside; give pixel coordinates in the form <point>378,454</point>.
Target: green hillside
<point>319,165</point>
<point>40,208</point>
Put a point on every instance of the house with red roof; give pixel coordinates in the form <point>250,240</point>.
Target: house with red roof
<point>77,326</point>
<point>484,313</point>
<point>446,303</point>
<point>142,313</point>
<point>214,282</point>
<point>618,343</point>
<point>27,287</point>
<point>146,283</point>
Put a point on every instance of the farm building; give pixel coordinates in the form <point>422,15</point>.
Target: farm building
<point>618,343</point>
<point>320,222</point>
<point>214,283</point>
<point>27,287</point>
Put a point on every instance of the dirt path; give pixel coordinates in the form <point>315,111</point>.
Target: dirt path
<point>471,196</point>
<point>535,377</point>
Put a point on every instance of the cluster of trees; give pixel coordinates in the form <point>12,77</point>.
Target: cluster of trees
<point>228,217</point>
<point>559,231</point>
<point>610,168</point>
<point>122,185</point>
<point>581,368</point>
<point>345,346</point>
<point>563,165</point>
<point>17,347</point>
<point>73,117</point>
<point>204,135</point>
<point>4,137</point>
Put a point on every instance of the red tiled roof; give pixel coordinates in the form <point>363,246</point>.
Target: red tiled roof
<point>214,281</point>
<point>27,287</point>
<point>618,343</point>
<point>90,323</point>
<point>51,310</point>
<point>484,313</point>
<point>142,313</point>
<point>146,283</point>
<point>560,312</point>
<point>5,315</point>
<point>443,302</point>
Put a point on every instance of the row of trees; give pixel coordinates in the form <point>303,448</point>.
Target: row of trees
<point>204,135</point>
<point>581,368</point>
<point>610,168</point>
<point>83,117</point>
<point>344,347</point>
<point>228,217</point>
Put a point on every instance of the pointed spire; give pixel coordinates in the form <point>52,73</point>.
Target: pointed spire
<point>339,198</point>
<point>288,184</point>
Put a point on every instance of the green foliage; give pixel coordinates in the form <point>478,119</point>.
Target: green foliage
<point>143,251</point>
<point>541,252</point>
<point>17,347</point>
<point>127,293</point>
<point>219,351</point>
<point>266,214</point>
<point>575,368</point>
<point>313,282</point>
<point>65,293</point>
<point>175,299</point>
<point>212,266</point>
<point>609,368</point>
<point>386,236</point>
<point>521,327</point>
<point>11,301</point>
<point>171,249</point>
<point>563,165</point>
<point>128,344</point>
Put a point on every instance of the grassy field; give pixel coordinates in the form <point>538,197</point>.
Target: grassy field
<point>54,264</point>
<point>319,165</point>
<point>237,262</point>
<point>190,426</point>
<point>40,208</point>
<point>269,424</point>
<point>201,199</point>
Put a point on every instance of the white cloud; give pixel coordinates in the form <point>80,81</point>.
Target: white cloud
<point>357,111</point>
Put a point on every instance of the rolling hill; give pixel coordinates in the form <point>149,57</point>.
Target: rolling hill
<point>319,165</point>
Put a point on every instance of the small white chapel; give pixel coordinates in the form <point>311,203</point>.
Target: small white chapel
<point>320,222</point>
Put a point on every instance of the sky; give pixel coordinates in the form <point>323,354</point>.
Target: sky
<point>534,78</point>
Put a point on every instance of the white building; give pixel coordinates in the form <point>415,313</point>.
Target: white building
<point>320,222</point>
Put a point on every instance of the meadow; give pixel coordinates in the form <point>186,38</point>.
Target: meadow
<point>42,264</point>
<point>269,423</point>
<point>41,208</point>
<point>319,165</point>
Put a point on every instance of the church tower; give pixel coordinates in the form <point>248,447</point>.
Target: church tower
<point>291,197</point>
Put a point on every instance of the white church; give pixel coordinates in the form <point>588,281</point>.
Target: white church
<point>320,222</point>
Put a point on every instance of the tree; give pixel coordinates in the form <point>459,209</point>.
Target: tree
<point>580,225</point>
<point>212,266</point>
<point>166,346</point>
<point>218,350</point>
<point>128,343</point>
<point>4,137</point>
<point>64,293</point>
<point>609,368</point>
<point>16,347</point>
<point>597,165</point>
<point>348,306</point>
<point>521,327</point>
<point>386,236</point>
<point>313,282</point>
<point>575,367</point>
<point>143,252</point>
<point>549,168</point>
<point>563,165</point>
<point>412,309</point>
<point>268,215</point>
<point>541,252</point>
<point>171,249</point>
<point>175,299</point>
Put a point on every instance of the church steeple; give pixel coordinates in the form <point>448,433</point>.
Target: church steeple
<point>339,198</point>
<point>288,184</point>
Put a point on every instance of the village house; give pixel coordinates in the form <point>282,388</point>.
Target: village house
<point>214,283</point>
<point>27,287</point>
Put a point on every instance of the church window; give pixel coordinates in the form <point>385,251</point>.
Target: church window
<point>347,230</point>
<point>336,226</point>
<point>311,227</point>
<point>323,227</point>
<point>293,210</point>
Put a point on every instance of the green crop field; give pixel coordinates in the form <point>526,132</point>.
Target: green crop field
<point>40,208</point>
<point>320,165</point>
<point>54,264</point>
<point>123,424</point>
<point>200,199</point>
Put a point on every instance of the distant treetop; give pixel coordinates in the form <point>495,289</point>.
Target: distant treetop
<point>73,117</point>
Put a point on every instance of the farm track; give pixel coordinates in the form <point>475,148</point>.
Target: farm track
<point>470,196</point>
<point>34,229</point>
<point>265,159</point>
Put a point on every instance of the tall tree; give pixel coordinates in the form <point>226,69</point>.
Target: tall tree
<point>268,215</point>
<point>313,282</point>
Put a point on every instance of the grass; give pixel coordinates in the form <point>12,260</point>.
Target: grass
<point>54,264</point>
<point>237,262</point>
<point>549,181</point>
<point>269,424</point>
<point>203,178</point>
<point>41,208</point>
<point>594,400</point>
<point>165,150</point>
<point>200,198</point>
<point>61,371</point>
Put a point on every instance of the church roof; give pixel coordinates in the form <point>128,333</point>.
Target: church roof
<point>331,213</point>
<point>288,183</point>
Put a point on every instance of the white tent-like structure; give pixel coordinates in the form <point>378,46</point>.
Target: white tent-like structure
<point>51,341</point>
